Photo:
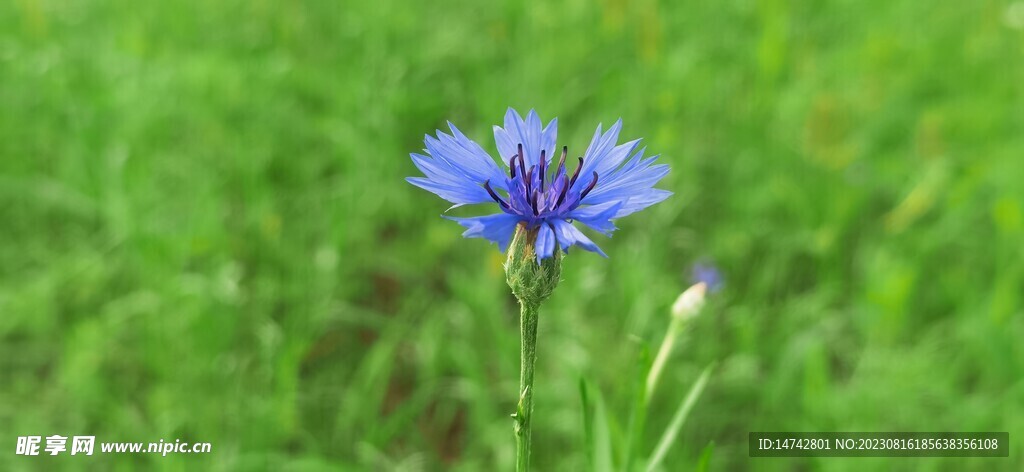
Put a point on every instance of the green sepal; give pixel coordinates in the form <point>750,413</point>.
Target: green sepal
<point>531,282</point>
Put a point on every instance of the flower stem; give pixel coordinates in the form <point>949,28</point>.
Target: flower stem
<point>663,352</point>
<point>685,308</point>
<point>528,357</point>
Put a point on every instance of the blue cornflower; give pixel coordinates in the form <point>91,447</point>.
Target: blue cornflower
<point>610,181</point>
<point>706,272</point>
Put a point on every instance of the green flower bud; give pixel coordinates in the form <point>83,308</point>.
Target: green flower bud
<point>689,304</point>
<point>531,282</point>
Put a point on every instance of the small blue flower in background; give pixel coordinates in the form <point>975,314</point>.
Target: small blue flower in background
<point>610,181</point>
<point>709,274</point>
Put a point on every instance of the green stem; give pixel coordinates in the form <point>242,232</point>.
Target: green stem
<point>674,328</point>
<point>528,357</point>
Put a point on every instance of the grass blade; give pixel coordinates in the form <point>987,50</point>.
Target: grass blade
<point>596,432</point>
<point>638,417</point>
<point>588,424</point>
<point>705,457</point>
<point>677,421</point>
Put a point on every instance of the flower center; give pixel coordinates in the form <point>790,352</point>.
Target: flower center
<point>534,194</point>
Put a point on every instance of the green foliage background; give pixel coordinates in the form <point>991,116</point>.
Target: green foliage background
<point>205,233</point>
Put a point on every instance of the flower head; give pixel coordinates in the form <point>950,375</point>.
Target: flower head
<point>708,274</point>
<point>609,181</point>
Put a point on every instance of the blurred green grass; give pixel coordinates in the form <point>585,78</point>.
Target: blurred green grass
<point>206,233</point>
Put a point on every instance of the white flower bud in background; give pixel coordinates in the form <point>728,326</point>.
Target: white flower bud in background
<point>690,302</point>
<point>686,307</point>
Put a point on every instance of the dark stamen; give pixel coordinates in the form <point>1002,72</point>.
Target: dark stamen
<point>589,187</point>
<point>533,203</point>
<point>561,162</point>
<point>487,186</point>
<point>522,165</point>
<point>512,166</point>
<point>577,173</point>
<point>561,198</point>
<point>529,180</point>
<point>543,169</point>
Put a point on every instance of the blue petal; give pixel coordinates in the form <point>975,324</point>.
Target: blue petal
<point>528,133</point>
<point>464,157</point>
<point>631,184</point>
<point>456,168</point>
<point>626,184</point>
<point>600,145</point>
<point>597,217</point>
<point>497,228</point>
<point>459,194</point>
<point>438,170</point>
<point>482,162</point>
<point>568,236</point>
<point>606,163</point>
<point>545,246</point>
<point>642,200</point>
<point>547,139</point>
